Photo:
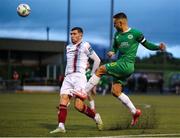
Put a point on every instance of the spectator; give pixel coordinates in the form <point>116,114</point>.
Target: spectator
<point>160,84</point>
<point>142,83</point>
<point>15,75</point>
<point>131,83</point>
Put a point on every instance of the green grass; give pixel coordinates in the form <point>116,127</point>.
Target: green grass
<point>36,115</point>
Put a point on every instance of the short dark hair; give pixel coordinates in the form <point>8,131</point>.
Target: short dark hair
<point>79,29</point>
<point>120,15</point>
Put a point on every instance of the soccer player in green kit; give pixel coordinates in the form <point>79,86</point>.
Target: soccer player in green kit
<point>126,41</point>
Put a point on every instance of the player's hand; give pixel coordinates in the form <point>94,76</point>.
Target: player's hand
<point>110,54</point>
<point>162,47</point>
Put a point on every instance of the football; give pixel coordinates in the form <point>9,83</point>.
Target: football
<point>23,10</point>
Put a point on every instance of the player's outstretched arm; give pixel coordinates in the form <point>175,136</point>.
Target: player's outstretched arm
<point>152,46</point>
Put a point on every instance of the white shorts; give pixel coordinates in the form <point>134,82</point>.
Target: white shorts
<point>73,82</point>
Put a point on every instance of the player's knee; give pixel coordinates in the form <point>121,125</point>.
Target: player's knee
<point>64,99</point>
<point>101,71</point>
<point>78,104</point>
<point>116,89</point>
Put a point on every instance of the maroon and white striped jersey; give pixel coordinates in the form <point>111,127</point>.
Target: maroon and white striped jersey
<point>77,57</point>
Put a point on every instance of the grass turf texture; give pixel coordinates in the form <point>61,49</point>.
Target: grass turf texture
<point>36,115</point>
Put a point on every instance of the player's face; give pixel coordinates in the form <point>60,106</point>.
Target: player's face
<point>118,24</point>
<point>76,36</point>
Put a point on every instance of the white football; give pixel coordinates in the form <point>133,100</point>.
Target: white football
<point>23,10</point>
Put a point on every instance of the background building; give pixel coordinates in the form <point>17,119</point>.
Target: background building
<point>32,59</point>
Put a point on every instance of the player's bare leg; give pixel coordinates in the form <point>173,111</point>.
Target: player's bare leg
<point>83,108</point>
<point>62,114</point>
<point>117,92</point>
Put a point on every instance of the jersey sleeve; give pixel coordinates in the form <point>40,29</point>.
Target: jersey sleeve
<point>89,51</point>
<point>141,39</point>
<point>92,54</point>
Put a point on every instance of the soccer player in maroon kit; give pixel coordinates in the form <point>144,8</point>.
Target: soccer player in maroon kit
<point>75,80</point>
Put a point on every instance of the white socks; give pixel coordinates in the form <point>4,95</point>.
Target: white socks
<point>127,102</point>
<point>124,98</point>
<point>92,82</point>
<point>61,125</point>
<point>92,104</point>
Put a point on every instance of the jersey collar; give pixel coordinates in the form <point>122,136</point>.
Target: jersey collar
<point>78,43</point>
<point>127,30</point>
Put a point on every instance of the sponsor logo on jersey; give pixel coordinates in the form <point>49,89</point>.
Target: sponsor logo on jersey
<point>124,44</point>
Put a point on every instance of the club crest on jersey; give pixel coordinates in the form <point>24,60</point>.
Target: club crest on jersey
<point>113,64</point>
<point>130,36</point>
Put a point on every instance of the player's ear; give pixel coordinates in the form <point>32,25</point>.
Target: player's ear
<point>124,21</point>
<point>81,34</point>
<point>121,21</point>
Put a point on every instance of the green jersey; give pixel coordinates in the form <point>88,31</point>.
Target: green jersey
<point>127,44</point>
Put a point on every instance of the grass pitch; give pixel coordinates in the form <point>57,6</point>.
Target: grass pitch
<point>35,115</point>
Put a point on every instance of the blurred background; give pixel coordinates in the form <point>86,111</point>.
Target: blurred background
<point>32,48</point>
